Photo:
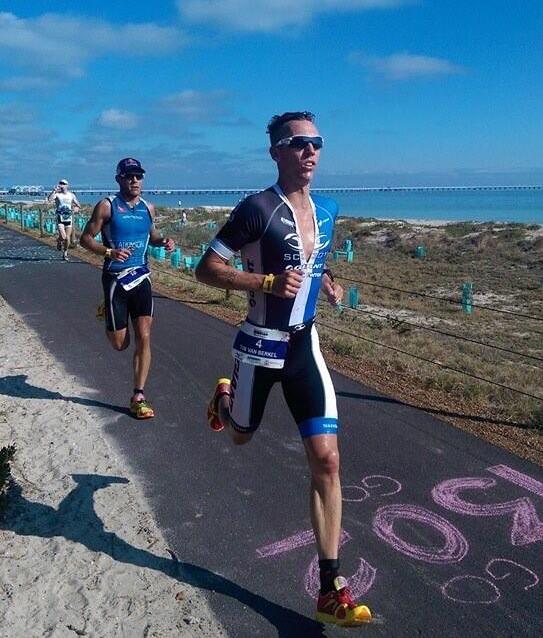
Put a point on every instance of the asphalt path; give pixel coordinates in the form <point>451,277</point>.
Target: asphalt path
<point>442,531</point>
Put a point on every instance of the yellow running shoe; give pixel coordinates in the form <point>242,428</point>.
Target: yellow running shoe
<point>141,409</point>
<point>337,607</point>
<point>222,387</point>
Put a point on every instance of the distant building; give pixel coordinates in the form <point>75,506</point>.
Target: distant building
<point>26,190</point>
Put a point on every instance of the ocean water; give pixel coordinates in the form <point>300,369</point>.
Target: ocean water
<point>525,206</point>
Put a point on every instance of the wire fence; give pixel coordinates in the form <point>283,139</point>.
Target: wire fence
<point>437,297</point>
<point>336,329</point>
<point>435,363</point>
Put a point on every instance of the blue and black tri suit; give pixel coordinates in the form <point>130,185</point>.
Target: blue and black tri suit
<point>263,228</point>
<point>128,227</point>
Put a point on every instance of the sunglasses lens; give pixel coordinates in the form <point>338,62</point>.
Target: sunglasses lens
<point>300,142</point>
<point>137,176</point>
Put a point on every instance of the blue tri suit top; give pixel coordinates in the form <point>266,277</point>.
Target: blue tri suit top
<point>127,227</point>
<point>263,228</point>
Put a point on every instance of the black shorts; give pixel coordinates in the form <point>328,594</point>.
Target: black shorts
<point>306,383</point>
<point>120,303</point>
<point>66,223</point>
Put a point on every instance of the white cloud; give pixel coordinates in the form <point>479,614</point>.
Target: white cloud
<point>115,118</point>
<point>266,15</point>
<point>54,47</point>
<point>406,66</point>
<point>191,106</point>
<point>26,83</point>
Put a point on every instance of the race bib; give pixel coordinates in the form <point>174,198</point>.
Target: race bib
<point>261,346</point>
<point>132,277</point>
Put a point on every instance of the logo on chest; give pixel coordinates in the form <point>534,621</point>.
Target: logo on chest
<point>293,241</point>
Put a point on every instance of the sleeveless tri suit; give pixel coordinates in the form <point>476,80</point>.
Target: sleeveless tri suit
<point>128,227</point>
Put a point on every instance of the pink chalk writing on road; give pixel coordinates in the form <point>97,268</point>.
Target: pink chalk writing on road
<point>505,562</point>
<point>527,527</point>
<point>369,484</point>
<point>300,539</point>
<point>359,583</point>
<point>471,590</point>
<point>453,550</point>
<point>518,478</point>
<point>475,590</point>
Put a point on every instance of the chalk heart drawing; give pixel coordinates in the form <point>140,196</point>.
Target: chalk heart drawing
<point>527,526</point>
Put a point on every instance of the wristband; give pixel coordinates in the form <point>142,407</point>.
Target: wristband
<point>327,271</point>
<point>267,284</point>
<point>107,254</point>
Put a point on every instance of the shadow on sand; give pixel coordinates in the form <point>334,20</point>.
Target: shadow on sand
<point>76,520</point>
<point>18,386</point>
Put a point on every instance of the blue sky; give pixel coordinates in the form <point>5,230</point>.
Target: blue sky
<point>405,92</point>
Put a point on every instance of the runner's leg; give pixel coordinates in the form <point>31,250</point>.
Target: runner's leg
<point>310,395</point>
<point>66,242</point>
<point>325,492</point>
<point>119,339</point>
<point>142,353</point>
<point>116,309</point>
<point>68,229</point>
<point>140,309</point>
<point>241,411</point>
<point>61,236</point>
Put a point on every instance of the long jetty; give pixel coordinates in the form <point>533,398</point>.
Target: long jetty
<point>334,189</point>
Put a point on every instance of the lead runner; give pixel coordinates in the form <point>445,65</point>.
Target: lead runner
<point>284,235</point>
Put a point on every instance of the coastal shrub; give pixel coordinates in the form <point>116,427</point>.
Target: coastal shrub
<point>512,233</point>
<point>343,346</point>
<point>6,456</point>
<point>536,418</point>
<point>462,228</point>
<point>196,235</point>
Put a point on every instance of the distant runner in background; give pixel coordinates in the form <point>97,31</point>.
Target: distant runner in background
<point>126,224</point>
<point>65,202</point>
<point>284,235</point>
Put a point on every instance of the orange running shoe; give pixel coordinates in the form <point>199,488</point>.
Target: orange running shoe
<point>222,387</point>
<point>141,409</point>
<point>338,607</point>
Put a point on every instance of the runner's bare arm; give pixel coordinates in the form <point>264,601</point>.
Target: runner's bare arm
<point>155,237</point>
<point>76,203</point>
<point>333,291</point>
<point>51,195</point>
<point>213,270</point>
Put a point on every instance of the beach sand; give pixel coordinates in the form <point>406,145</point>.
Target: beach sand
<point>81,554</point>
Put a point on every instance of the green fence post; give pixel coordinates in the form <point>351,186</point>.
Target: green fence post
<point>467,297</point>
<point>353,297</point>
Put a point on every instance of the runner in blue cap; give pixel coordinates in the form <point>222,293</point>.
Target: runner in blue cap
<point>126,224</point>
<point>284,234</point>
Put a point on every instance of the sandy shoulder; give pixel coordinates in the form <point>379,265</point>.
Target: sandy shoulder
<point>81,554</point>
